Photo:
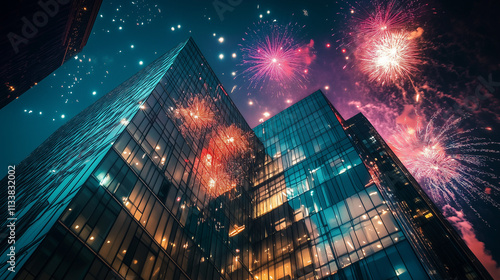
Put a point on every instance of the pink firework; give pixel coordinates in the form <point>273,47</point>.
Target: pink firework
<point>386,43</point>
<point>271,54</point>
<point>385,18</point>
<point>447,160</point>
<point>390,57</point>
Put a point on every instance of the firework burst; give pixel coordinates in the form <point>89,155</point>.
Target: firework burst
<point>447,161</point>
<point>196,115</point>
<point>390,57</point>
<point>231,141</point>
<point>215,174</point>
<point>384,19</point>
<point>383,40</point>
<point>273,55</point>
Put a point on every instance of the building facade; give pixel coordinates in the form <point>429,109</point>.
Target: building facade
<point>162,178</point>
<point>39,36</point>
<point>440,246</point>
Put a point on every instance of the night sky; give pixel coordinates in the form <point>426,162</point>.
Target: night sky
<point>456,74</point>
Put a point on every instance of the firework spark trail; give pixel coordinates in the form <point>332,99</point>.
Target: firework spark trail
<point>273,56</point>
<point>447,160</point>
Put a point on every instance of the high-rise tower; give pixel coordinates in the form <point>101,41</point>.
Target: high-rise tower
<point>39,36</point>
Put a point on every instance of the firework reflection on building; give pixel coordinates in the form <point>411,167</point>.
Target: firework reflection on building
<point>226,146</point>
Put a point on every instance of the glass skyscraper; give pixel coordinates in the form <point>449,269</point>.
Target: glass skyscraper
<point>162,178</point>
<point>38,36</point>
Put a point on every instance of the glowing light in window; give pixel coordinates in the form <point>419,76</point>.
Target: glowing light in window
<point>236,230</point>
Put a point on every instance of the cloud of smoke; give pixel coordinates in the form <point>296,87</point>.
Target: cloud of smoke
<point>408,117</point>
<point>382,116</point>
<point>415,34</point>
<point>458,220</point>
<point>308,53</point>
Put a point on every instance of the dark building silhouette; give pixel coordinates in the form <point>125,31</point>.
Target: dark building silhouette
<point>39,36</point>
<point>162,178</point>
